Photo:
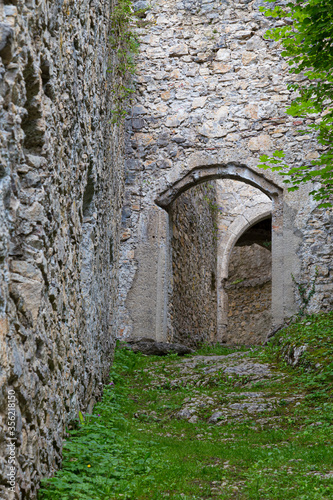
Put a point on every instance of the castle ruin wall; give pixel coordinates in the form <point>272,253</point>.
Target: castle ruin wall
<point>61,194</point>
<point>211,95</point>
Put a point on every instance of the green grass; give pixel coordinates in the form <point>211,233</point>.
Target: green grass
<point>315,369</point>
<point>219,350</point>
<point>133,447</point>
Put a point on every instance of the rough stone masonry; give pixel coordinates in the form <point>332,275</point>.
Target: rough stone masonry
<point>194,247</point>
<point>210,99</point>
<point>61,188</point>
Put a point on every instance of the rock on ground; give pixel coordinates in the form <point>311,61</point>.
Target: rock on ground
<point>152,347</point>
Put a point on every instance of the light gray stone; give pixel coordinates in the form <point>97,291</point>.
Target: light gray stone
<point>229,83</point>
<point>60,200</point>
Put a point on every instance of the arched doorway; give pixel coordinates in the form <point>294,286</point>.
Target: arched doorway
<point>148,302</point>
<point>246,207</point>
<point>251,216</point>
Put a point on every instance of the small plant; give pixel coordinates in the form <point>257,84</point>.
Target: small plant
<point>81,418</point>
<point>237,281</point>
<point>214,209</point>
<point>306,292</point>
<point>141,13</point>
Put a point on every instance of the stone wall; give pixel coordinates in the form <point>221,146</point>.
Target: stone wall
<point>316,254</point>
<point>194,258</point>
<point>211,95</point>
<point>210,92</point>
<point>238,200</point>
<point>249,290</point>
<point>61,189</point>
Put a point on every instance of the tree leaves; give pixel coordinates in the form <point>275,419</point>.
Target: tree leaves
<point>307,40</point>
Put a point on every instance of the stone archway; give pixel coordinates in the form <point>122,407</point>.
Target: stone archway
<point>149,297</point>
<point>241,224</point>
<point>239,172</point>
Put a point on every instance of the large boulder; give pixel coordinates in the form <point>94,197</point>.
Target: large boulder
<point>152,347</point>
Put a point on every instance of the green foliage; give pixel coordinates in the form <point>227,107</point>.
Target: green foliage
<point>315,334</point>
<point>101,461</point>
<point>307,38</point>
<point>124,44</point>
<point>81,418</point>
<point>240,280</point>
<point>137,450</point>
<point>218,349</point>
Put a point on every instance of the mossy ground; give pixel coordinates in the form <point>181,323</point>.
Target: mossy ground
<point>133,447</point>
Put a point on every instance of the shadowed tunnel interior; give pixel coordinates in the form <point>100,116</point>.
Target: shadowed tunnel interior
<point>260,233</point>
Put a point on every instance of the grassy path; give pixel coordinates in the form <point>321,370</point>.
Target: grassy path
<point>213,425</point>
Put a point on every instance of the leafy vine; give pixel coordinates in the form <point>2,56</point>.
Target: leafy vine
<point>306,292</point>
<point>124,43</point>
